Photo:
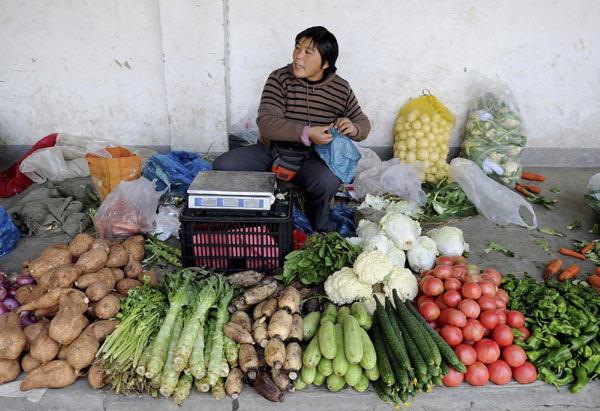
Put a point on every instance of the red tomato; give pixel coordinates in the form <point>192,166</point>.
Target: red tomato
<point>525,374</point>
<point>503,335</point>
<point>459,272</point>
<point>495,275</point>
<point>472,278</point>
<point>500,304</point>
<point>488,288</point>
<point>459,260</point>
<point>486,331</point>
<point>469,343</point>
<point>466,354</point>
<point>514,355</point>
<point>470,308</point>
<point>457,318</point>
<point>488,351</point>
<point>487,303</point>
<point>432,324</point>
<point>451,334</point>
<point>502,294</point>
<point>515,319</point>
<point>501,317</point>
<point>489,319</point>
<point>439,301</point>
<point>424,299</point>
<point>524,331</point>
<point>452,284</point>
<point>432,286</point>
<point>430,311</point>
<point>473,331</point>
<point>443,260</point>
<point>477,374</point>
<point>471,290</point>
<point>442,272</point>
<point>443,318</point>
<point>453,378</point>
<point>500,372</point>
<point>452,298</point>
<point>426,272</point>
<point>472,269</point>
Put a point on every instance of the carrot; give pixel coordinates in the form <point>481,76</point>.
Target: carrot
<point>571,253</point>
<point>594,280</point>
<point>519,188</point>
<point>598,270</point>
<point>533,177</point>
<point>553,268</point>
<point>569,273</point>
<point>587,248</point>
<point>533,189</point>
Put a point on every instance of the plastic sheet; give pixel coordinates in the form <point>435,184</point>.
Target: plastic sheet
<point>175,170</point>
<point>9,234</point>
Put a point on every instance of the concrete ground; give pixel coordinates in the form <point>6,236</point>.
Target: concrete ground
<point>479,232</point>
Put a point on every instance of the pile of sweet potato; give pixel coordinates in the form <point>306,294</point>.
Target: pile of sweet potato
<point>79,288</point>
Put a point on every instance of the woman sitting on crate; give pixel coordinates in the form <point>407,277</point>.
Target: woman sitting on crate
<point>299,104</point>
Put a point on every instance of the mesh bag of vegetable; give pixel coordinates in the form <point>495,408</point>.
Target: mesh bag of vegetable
<point>495,136</point>
<point>423,128</point>
<point>592,194</point>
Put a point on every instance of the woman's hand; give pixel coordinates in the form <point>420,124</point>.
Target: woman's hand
<point>320,134</point>
<point>346,127</point>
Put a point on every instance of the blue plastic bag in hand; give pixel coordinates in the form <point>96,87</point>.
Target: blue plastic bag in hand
<point>340,155</point>
<point>9,234</point>
<point>176,170</point>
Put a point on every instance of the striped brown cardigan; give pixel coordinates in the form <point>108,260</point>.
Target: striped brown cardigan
<point>288,104</point>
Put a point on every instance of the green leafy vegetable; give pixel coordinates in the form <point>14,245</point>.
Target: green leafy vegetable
<point>542,244</point>
<point>576,224</point>
<point>593,254</point>
<point>445,201</point>
<point>532,198</point>
<point>499,247</point>
<point>595,229</point>
<point>555,190</point>
<point>550,231</point>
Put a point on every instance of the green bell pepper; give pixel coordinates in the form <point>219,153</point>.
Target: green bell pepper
<point>581,376</point>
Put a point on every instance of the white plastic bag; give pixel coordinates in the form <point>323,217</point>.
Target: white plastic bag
<point>167,223</point>
<point>496,202</point>
<point>592,194</point>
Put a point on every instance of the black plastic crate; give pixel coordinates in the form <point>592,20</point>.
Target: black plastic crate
<point>238,240</point>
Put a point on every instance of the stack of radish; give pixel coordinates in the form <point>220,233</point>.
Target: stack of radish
<point>466,307</point>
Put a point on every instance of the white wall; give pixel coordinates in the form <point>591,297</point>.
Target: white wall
<point>184,72</point>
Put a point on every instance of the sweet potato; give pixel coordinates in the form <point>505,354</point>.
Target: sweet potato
<point>28,363</point>
<point>46,312</point>
<point>12,338</point>
<point>62,352</point>
<point>104,328</point>
<point>96,291</point>
<point>55,374</point>
<point>50,258</point>
<point>152,277</point>
<point>101,244</point>
<point>47,300</point>
<point>92,260</point>
<point>106,307</point>
<point>117,256</point>
<point>9,370</point>
<point>97,377</point>
<point>126,284</point>
<point>136,239</point>
<point>133,268</point>
<point>105,275</point>
<point>62,276</point>
<point>118,273</point>
<point>119,296</point>
<point>80,244</point>
<point>70,321</point>
<point>44,348</point>
<point>32,330</point>
<point>135,250</point>
<point>28,293</point>
<point>82,351</point>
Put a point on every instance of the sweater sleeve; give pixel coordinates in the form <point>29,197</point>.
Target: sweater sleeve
<point>271,121</point>
<point>356,115</point>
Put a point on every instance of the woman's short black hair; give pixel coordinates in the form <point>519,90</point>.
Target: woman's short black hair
<point>325,42</point>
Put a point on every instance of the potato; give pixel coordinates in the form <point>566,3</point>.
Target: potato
<point>28,293</point>
<point>116,294</point>
<point>92,260</point>
<point>12,338</point>
<point>50,258</point>
<point>133,267</point>
<point>126,284</point>
<point>62,352</point>
<point>101,244</point>
<point>47,300</point>
<point>117,256</point>
<point>105,275</point>
<point>82,351</point>
<point>9,370</point>
<point>96,291</point>
<point>62,276</point>
<point>137,239</point>
<point>135,250</point>
<point>104,328</point>
<point>28,363</point>
<point>80,244</point>
<point>44,348</point>
<point>55,374</point>
<point>70,321</point>
<point>118,273</point>
<point>32,331</point>
<point>46,312</point>
<point>97,377</point>
<point>106,307</point>
<point>152,277</point>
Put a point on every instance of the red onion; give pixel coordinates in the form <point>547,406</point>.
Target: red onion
<point>25,279</point>
<point>5,283</point>
<point>28,320</point>
<point>12,291</point>
<point>11,304</point>
<point>3,309</point>
<point>3,293</point>
<point>24,314</point>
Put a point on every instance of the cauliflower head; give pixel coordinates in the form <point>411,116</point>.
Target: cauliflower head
<point>372,266</point>
<point>403,281</point>
<point>343,287</point>
<point>370,304</point>
<point>422,255</point>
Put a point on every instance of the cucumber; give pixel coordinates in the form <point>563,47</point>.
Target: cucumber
<point>369,358</point>
<point>353,374</point>
<point>327,340</point>
<point>339,363</point>
<point>310,325</point>
<point>329,314</point>
<point>392,336</point>
<point>307,375</point>
<point>312,355</point>
<point>369,323</point>
<point>299,384</point>
<point>379,390</point>
<point>359,312</point>
<point>373,373</point>
<point>383,361</point>
<point>319,379</point>
<point>415,331</point>
<point>411,348</point>
<point>352,342</point>
<point>335,383</point>
<point>325,367</point>
<point>362,384</point>
<point>342,312</point>
<point>400,373</point>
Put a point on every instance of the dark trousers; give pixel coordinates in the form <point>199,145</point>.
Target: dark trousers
<point>314,177</point>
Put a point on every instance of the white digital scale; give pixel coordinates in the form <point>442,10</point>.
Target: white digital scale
<point>233,190</point>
